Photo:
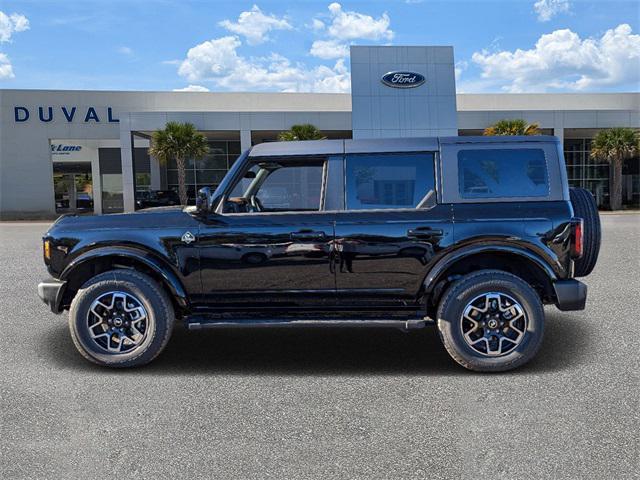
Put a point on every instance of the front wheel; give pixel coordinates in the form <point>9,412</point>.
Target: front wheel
<point>121,318</point>
<point>491,321</point>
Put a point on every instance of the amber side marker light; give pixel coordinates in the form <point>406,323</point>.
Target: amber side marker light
<point>46,246</point>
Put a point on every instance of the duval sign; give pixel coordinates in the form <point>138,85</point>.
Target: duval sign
<point>47,114</point>
<point>403,79</point>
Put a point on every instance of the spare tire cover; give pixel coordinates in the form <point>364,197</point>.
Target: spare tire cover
<point>584,206</point>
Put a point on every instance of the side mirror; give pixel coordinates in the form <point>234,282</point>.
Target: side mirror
<point>203,200</point>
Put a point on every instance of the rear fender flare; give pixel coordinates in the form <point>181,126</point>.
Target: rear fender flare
<point>436,272</point>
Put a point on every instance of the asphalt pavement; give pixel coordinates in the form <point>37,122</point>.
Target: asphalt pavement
<point>322,403</point>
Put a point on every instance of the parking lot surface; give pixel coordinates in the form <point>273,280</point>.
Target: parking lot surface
<point>322,403</point>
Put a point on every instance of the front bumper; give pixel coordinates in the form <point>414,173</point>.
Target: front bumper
<point>570,294</point>
<point>51,291</point>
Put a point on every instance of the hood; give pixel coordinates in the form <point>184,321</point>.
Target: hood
<point>158,217</point>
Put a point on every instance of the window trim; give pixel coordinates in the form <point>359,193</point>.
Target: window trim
<point>435,161</point>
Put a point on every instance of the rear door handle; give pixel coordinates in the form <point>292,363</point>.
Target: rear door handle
<point>308,235</point>
<point>424,232</point>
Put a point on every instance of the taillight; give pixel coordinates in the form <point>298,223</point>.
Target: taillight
<point>577,244</point>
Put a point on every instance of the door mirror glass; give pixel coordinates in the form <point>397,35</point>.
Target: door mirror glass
<point>203,200</point>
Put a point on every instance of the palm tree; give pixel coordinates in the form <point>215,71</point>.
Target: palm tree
<point>614,146</point>
<point>304,131</point>
<point>178,141</point>
<point>512,127</point>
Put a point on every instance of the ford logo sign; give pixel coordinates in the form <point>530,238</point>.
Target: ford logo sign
<point>403,79</point>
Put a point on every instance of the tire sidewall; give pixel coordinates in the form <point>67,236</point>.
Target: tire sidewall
<point>156,323</point>
<point>452,308</point>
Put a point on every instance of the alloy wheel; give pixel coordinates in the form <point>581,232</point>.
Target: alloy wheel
<point>493,324</point>
<point>118,322</point>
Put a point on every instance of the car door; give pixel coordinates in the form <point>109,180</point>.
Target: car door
<point>278,253</point>
<point>391,230</point>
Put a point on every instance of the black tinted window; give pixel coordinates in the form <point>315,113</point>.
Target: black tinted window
<point>388,180</point>
<point>502,173</point>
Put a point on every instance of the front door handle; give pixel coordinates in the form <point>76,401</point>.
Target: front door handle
<point>424,232</point>
<point>308,235</point>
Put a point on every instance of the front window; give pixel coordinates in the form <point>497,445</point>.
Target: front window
<point>278,186</point>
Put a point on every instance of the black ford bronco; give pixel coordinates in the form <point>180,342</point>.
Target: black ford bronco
<point>474,234</point>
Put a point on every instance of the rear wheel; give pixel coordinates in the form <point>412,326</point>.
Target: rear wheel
<point>491,321</point>
<point>121,318</point>
<point>584,206</point>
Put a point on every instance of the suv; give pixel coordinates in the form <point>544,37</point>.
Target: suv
<point>474,234</point>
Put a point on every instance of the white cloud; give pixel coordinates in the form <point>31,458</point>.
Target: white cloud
<point>192,88</point>
<point>547,9</point>
<point>254,25</point>
<point>317,25</point>
<point>6,70</point>
<point>10,24</point>
<point>217,61</point>
<point>329,49</point>
<point>211,58</point>
<point>460,67</point>
<point>125,50</point>
<point>562,60</point>
<point>347,25</point>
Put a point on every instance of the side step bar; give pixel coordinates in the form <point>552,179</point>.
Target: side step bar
<point>199,322</point>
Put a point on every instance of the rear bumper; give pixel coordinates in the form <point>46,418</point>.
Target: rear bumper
<point>570,294</point>
<point>50,292</point>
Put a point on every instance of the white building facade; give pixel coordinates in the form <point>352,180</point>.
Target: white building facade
<point>86,151</point>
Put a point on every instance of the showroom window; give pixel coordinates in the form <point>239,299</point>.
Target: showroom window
<point>208,171</point>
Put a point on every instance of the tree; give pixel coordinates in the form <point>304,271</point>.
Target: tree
<point>179,142</point>
<point>614,146</point>
<point>512,127</point>
<point>305,131</point>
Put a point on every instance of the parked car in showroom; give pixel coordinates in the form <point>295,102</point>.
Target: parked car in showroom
<point>472,234</point>
<point>156,198</point>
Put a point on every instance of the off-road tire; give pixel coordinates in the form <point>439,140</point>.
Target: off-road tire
<point>153,298</point>
<point>584,206</point>
<point>463,291</point>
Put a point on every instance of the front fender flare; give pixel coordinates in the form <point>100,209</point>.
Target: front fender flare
<point>433,277</point>
<point>169,278</point>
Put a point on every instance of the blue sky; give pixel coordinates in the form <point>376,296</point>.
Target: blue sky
<point>500,46</point>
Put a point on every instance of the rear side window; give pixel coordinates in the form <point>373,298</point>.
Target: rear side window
<point>495,173</point>
<point>389,180</point>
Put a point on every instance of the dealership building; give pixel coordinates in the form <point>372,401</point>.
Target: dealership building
<point>86,151</point>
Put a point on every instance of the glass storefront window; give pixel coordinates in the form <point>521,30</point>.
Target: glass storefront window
<point>112,196</point>
<point>586,172</point>
<point>208,171</point>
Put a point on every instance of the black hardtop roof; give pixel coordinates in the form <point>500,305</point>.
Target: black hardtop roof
<point>381,145</point>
